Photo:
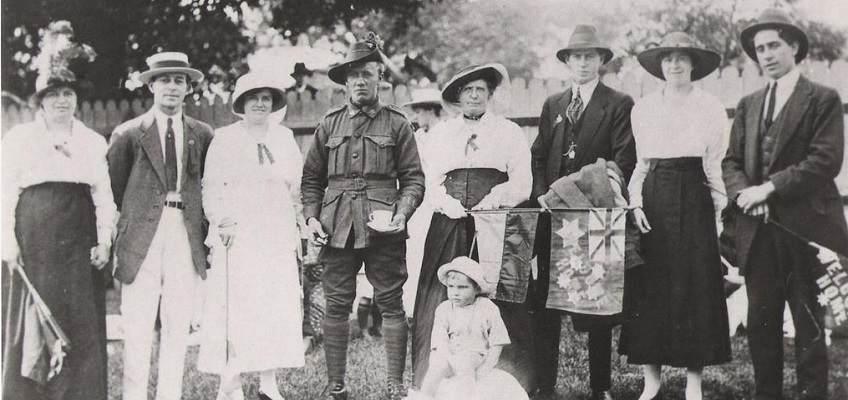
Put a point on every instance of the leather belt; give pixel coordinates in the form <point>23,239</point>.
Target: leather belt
<point>175,204</point>
<point>361,184</point>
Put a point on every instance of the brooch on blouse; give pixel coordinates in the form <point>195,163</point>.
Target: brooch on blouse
<point>62,149</point>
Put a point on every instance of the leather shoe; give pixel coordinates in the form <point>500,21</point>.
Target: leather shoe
<point>601,395</point>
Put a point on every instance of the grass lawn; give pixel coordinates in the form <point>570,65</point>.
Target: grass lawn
<point>366,373</point>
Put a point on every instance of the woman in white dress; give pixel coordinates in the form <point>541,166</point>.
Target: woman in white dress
<point>251,196</point>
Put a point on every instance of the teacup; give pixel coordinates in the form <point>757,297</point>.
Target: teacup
<point>381,217</point>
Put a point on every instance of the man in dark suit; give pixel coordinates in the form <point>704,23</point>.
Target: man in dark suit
<point>786,147</point>
<point>586,122</point>
<point>156,164</point>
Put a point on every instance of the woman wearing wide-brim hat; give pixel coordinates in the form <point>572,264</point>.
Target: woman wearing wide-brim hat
<point>677,314</point>
<point>251,196</point>
<point>58,214</point>
<point>483,162</point>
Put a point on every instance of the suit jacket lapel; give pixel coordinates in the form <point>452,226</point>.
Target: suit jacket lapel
<point>558,136</point>
<point>152,145</point>
<point>752,116</point>
<point>794,110</point>
<point>189,159</point>
<point>592,118</point>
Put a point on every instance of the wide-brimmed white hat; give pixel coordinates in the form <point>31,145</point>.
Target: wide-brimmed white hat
<point>169,61</point>
<point>252,81</point>
<point>425,97</point>
<point>468,267</point>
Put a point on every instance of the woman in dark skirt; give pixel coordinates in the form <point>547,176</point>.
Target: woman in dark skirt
<point>483,162</point>
<point>57,228</point>
<point>677,313</point>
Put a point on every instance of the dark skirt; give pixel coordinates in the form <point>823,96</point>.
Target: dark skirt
<point>446,240</point>
<point>56,229</point>
<point>676,307</point>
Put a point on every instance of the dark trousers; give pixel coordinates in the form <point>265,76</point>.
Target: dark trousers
<point>547,326</point>
<point>385,268</point>
<point>780,269</point>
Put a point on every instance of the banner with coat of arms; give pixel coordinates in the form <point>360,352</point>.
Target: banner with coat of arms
<point>587,260</point>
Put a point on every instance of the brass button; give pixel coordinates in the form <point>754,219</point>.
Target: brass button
<point>355,155</point>
<point>353,196</point>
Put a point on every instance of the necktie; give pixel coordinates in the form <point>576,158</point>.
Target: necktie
<point>170,158</point>
<point>771,100</point>
<point>575,108</point>
<point>263,152</point>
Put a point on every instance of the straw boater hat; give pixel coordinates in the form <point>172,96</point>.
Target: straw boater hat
<point>425,97</point>
<point>359,52</point>
<point>777,20</point>
<point>171,61</point>
<point>252,81</point>
<point>703,61</point>
<point>62,64</point>
<point>466,266</point>
<point>495,71</point>
<point>585,37</point>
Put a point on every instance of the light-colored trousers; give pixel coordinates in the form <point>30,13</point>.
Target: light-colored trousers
<point>168,283</point>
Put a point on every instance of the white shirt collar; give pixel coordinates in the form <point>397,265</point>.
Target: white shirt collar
<point>786,82</point>
<point>162,119</point>
<point>586,89</point>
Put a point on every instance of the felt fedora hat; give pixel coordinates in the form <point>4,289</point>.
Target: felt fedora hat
<point>425,97</point>
<point>300,69</point>
<point>167,62</point>
<point>468,267</point>
<point>359,52</point>
<point>252,81</point>
<point>585,37</point>
<point>495,71</point>
<point>777,20</point>
<point>703,61</point>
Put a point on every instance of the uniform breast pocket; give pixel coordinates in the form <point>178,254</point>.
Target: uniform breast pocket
<point>380,154</point>
<point>335,155</point>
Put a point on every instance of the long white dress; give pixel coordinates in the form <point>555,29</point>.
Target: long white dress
<point>253,294</point>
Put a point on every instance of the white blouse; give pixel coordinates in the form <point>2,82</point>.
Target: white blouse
<point>500,144</point>
<point>697,127</point>
<point>32,155</point>
<point>238,181</point>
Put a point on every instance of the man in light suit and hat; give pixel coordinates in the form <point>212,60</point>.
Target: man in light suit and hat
<point>586,122</point>
<point>155,164</point>
<point>363,160</point>
<point>786,147</point>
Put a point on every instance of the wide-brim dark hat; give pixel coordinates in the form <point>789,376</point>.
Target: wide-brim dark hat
<point>585,37</point>
<point>359,52</point>
<point>427,97</point>
<point>169,62</point>
<point>495,71</point>
<point>777,20</point>
<point>59,78</point>
<point>704,61</point>
<point>300,69</point>
<point>252,81</point>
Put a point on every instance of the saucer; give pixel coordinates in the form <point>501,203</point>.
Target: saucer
<point>380,228</point>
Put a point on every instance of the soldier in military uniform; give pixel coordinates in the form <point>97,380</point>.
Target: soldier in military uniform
<point>363,159</point>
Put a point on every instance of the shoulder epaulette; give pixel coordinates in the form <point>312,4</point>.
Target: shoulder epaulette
<point>334,109</point>
<point>392,107</point>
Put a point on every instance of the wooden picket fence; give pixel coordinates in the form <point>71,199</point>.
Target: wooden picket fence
<point>522,100</point>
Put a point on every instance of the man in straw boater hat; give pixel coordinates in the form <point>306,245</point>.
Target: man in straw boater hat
<point>156,164</point>
<point>586,122</point>
<point>786,147</point>
<point>363,163</point>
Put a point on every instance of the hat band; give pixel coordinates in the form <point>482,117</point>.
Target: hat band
<point>169,64</point>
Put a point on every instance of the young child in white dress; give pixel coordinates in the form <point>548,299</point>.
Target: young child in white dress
<point>468,332</point>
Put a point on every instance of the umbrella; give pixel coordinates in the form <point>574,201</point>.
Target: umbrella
<point>56,340</point>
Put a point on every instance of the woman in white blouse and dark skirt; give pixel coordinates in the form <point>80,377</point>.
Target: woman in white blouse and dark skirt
<point>483,162</point>
<point>676,310</point>
<point>58,214</point>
